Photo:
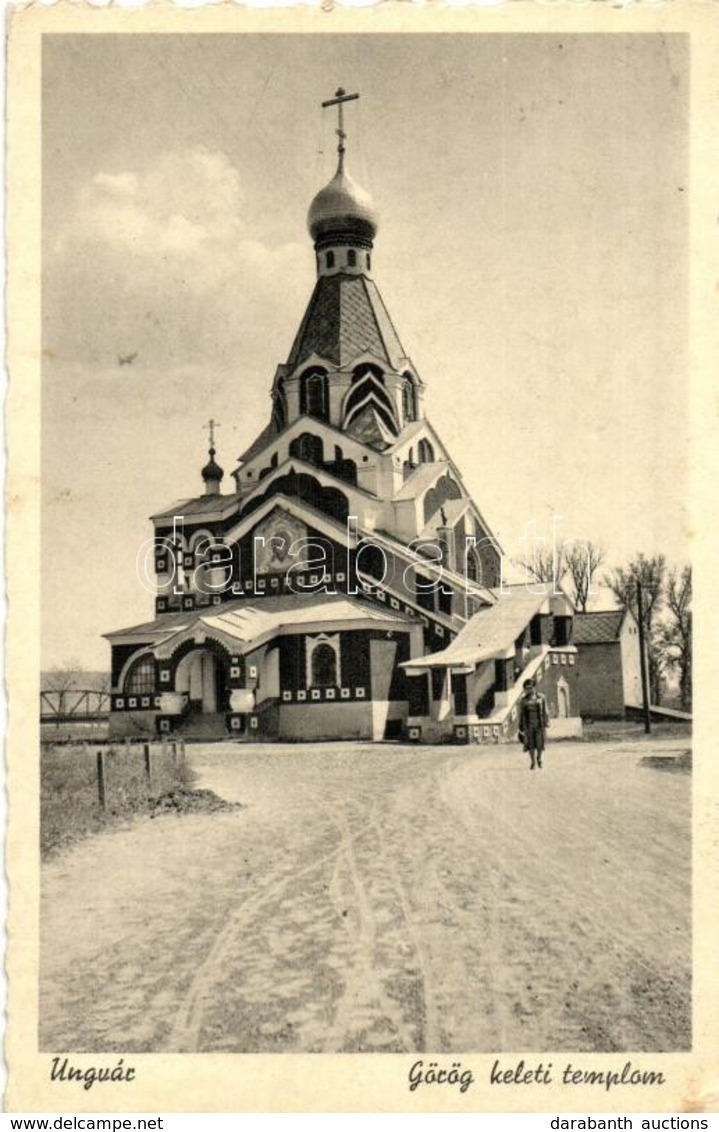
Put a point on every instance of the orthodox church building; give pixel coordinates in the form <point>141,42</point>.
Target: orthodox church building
<point>347,586</point>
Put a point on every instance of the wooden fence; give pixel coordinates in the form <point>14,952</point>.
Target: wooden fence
<point>84,786</point>
<point>174,747</point>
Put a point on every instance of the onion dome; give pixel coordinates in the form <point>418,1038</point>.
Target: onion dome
<point>212,474</point>
<point>341,210</point>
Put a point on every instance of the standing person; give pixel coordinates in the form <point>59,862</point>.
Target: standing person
<point>533,722</point>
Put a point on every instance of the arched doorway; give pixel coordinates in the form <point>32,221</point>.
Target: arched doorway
<point>200,675</point>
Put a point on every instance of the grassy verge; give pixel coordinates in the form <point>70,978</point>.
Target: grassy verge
<point>619,730</point>
<point>69,794</point>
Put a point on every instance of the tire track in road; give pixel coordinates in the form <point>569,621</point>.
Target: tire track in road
<point>591,920</point>
<point>365,1002</point>
<point>361,990</point>
<point>364,1009</point>
<point>185,1034</point>
<point>429,1034</point>
<point>488,896</point>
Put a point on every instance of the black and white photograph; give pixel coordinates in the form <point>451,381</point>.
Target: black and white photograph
<point>365,693</point>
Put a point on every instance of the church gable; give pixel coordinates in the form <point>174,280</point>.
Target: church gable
<point>295,510</point>
<point>369,426</point>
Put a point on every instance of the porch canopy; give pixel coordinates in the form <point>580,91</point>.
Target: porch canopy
<point>244,624</point>
<point>492,631</point>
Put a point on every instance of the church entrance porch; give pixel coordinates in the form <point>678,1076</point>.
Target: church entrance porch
<point>200,678</point>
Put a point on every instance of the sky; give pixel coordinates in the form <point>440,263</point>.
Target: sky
<point>532,252</point>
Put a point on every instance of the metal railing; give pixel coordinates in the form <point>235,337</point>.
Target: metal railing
<point>73,705</point>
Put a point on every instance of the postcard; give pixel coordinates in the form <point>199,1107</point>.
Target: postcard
<point>361,441</point>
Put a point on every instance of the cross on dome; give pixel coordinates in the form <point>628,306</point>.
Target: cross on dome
<point>211,426</point>
<point>339,99</point>
<point>342,213</point>
<point>212,473</point>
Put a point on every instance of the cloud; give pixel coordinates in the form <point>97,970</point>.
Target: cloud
<point>119,184</point>
<point>166,256</point>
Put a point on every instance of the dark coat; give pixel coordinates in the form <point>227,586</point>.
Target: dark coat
<point>533,720</point>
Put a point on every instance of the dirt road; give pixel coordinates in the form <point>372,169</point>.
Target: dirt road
<point>383,898</point>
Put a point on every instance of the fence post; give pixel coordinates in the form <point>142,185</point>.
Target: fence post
<point>101,778</point>
<point>148,765</point>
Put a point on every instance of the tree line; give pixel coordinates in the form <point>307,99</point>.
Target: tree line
<point>666,601</point>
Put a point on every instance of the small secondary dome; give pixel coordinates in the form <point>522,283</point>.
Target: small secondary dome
<point>212,471</point>
<point>342,208</point>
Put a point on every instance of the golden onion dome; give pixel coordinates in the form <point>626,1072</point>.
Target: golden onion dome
<point>342,208</point>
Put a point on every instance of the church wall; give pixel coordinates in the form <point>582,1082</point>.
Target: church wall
<point>326,721</point>
<point>338,388</point>
<point>383,654</point>
<point>418,693</point>
<point>355,658</point>
<point>257,662</point>
<point>389,719</point>
<point>354,662</point>
<point>372,691</point>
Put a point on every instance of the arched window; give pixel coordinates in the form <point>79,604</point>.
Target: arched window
<point>141,677</point>
<point>473,567</point>
<point>409,401</point>
<point>351,258</point>
<point>324,666</point>
<point>330,259</point>
<point>308,448</point>
<point>425,452</point>
<point>314,401</point>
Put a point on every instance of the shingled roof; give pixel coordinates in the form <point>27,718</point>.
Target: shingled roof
<point>597,628</point>
<point>345,318</point>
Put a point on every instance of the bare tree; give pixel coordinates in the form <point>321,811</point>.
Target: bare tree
<point>62,679</point>
<point>545,566</point>
<point>675,633</point>
<point>98,685</point>
<point>99,682</point>
<point>651,574</point>
<point>582,562</point>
